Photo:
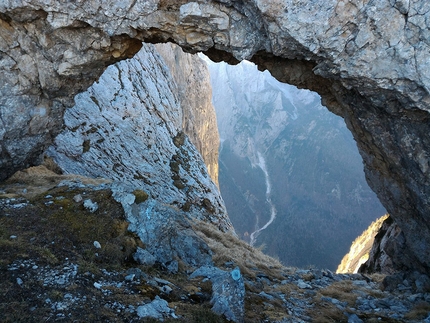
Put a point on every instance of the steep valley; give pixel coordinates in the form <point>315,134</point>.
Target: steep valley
<point>317,185</point>
<point>108,212</point>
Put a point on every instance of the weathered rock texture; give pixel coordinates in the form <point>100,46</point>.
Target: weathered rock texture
<point>228,291</point>
<point>165,232</point>
<point>360,248</point>
<point>191,75</point>
<point>368,60</point>
<point>390,253</point>
<point>128,127</point>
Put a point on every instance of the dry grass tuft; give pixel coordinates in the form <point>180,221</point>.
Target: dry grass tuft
<point>342,291</point>
<point>141,196</point>
<point>227,247</point>
<point>326,311</point>
<point>36,180</point>
<point>419,312</point>
<point>49,163</point>
<point>377,277</point>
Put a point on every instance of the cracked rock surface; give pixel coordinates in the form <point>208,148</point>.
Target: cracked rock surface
<point>128,127</point>
<point>367,59</point>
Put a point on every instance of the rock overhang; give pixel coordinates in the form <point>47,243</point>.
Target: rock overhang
<point>368,61</point>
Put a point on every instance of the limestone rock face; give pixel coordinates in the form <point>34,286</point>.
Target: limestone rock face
<point>360,248</point>
<point>191,76</point>
<point>367,59</point>
<point>165,232</point>
<point>128,127</point>
<point>41,72</point>
<point>389,253</point>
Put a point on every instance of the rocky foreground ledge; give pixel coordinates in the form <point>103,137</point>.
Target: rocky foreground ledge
<point>67,254</point>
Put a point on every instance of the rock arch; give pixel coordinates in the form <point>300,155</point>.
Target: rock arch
<point>367,59</point>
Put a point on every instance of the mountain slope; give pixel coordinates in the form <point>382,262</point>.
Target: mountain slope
<point>283,153</point>
<point>128,127</point>
<point>360,248</point>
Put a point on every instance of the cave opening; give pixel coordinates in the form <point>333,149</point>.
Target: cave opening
<point>289,170</point>
<point>372,74</point>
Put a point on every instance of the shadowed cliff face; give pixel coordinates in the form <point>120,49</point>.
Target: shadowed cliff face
<point>368,61</point>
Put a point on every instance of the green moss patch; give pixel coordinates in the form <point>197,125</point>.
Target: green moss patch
<point>140,196</point>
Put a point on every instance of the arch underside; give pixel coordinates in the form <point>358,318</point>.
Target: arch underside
<point>372,73</point>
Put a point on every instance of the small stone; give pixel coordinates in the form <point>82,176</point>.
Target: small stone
<point>97,285</point>
<point>19,281</point>
<point>162,281</point>
<point>137,272</point>
<point>130,277</point>
<point>13,237</point>
<point>77,198</point>
<point>68,296</point>
<point>353,318</point>
<point>155,309</point>
<point>267,296</point>
<point>166,289</point>
<point>97,245</point>
<point>91,206</point>
<point>143,257</point>
<point>301,284</point>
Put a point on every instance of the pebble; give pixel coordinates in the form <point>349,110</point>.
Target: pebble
<point>91,206</point>
<point>97,245</point>
<point>267,296</point>
<point>166,289</point>
<point>353,318</point>
<point>77,198</point>
<point>130,277</point>
<point>297,303</point>
<point>301,284</point>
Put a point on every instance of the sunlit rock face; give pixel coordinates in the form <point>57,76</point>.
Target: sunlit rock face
<point>360,249</point>
<point>128,127</point>
<point>368,61</point>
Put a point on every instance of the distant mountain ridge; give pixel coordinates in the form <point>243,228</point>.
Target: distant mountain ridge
<point>318,190</point>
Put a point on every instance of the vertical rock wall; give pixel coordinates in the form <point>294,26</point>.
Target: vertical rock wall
<point>128,127</point>
<point>195,94</point>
